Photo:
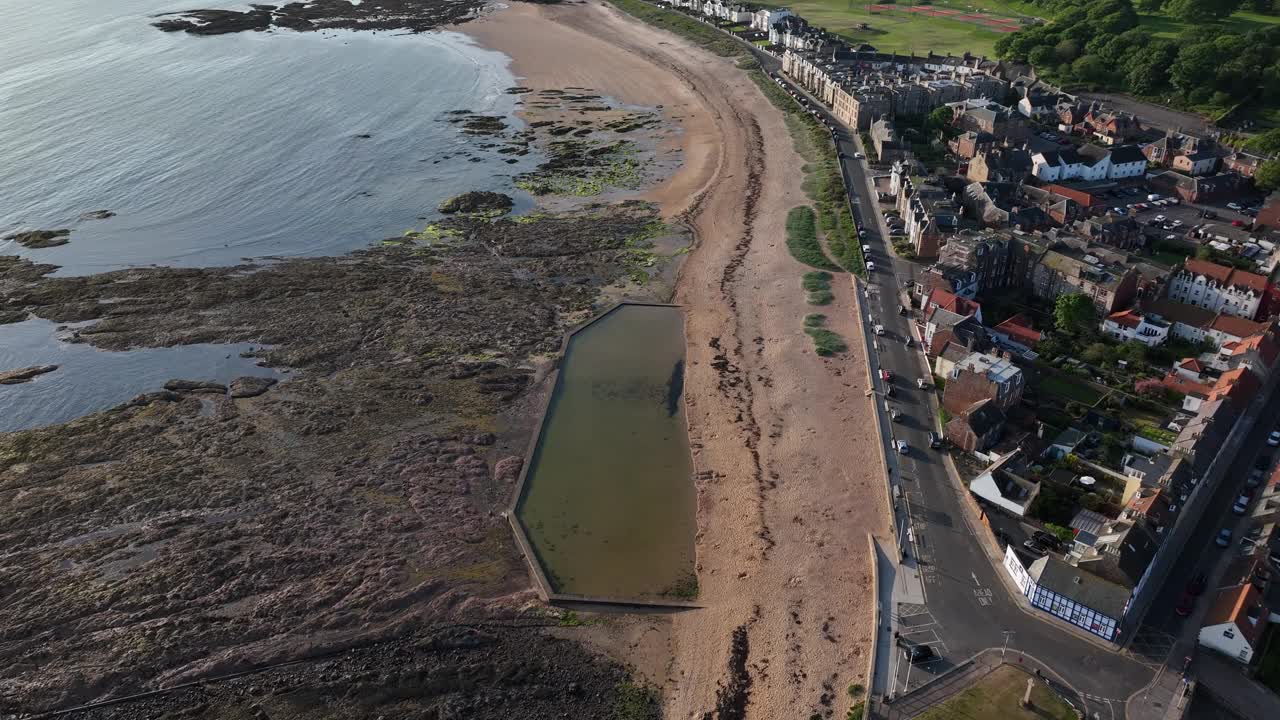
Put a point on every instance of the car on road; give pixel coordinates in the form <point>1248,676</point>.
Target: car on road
<point>859,155</point>
<point>902,446</point>
<point>871,267</point>
<point>862,232</point>
<point>1254,479</point>
<point>1235,206</point>
<point>1176,223</point>
<point>902,310</point>
<point>1237,223</point>
<point>934,440</point>
<point>885,375</point>
<point>1209,215</point>
<point>1160,218</point>
<point>889,391</point>
<point>1241,507</point>
<point>1224,538</point>
<point>1274,438</point>
<point>879,329</point>
<point>866,249</point>
<point>910,342</point>
<point>1185,605</point>
<point>918,654</point>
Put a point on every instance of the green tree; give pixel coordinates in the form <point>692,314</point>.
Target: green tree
<point>940,118</point>
<point>1259,6</point>
<point>1198,11</point>
<point>1097,353</point>
<point>1193,64</point>
<point>1267,176</point>
<point>1267,142</point>
<point>1148,6</point>
<point>1092,69</point>
<point>1073,313</point>
<point>1066,50</point>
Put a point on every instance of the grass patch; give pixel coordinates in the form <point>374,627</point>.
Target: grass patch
<point>802,239</point>
<point>686,588</point>
<point>1065,387</point>
<point>900,31</point>
<point>817,283</point>
<point>686,27</point>
<point>636,702</point>
<point>825,342</point>
<point>999,695</point>
<point>1149,430</point>
<point>858,711</point>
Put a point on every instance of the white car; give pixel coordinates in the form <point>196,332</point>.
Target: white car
<point>871,267</point>
<point>879,329</point>
<point>1160,218</point>
<point>866,249</point>
<point>1235,206</point>
<point>859,155</point>
<point>1274,438</point>
<point>901,445</point>
<point>1176,223</point>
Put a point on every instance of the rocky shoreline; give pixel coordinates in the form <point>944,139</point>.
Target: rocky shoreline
<point>204,529</point>
<point>312,15</point>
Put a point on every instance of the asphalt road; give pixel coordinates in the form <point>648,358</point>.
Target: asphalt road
<point>966,608</point>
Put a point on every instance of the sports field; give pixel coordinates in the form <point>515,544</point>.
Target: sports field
<point>946,26</point>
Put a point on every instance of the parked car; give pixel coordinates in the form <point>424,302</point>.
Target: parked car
<point>1254,479</point>
<point>1241,507</point>
<point>920,383</point>
<point>888,391</point>
<point>862,232</point>
<point>1224,538</point>
<point>934,440</point>
<point>1209,214</point>
<point>1035,548</point>
<point>910,342</point>
<point>1237,223</point>
<point>859,155</point>
<point>917,654</point>
<point>885,375</point>
<point>871,267</point>
<point>1235,206</point>
<point>902,446</point>
<point>894,413</point>
<point>1274,438</point>
<point>866,249</point>
<point>1185,605</point>
<point>1160,218</point>
<point>902,310</point>
<point>1047,539</point>
<point>879,329</point>
<point>1176,223</point>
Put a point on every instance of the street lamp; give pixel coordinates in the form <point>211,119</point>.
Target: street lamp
<point>1005,647</point>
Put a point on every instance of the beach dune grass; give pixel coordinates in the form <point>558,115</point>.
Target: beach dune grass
<point>802,239</point>
<point>999,695</point>
<point>817,283</point>
<point>825,342</point>
<point>699,33</point>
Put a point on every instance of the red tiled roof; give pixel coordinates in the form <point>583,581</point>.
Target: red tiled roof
<point>1183,386</point>
<point>1192,364</point>
<point>1232,607</point>
<point>950,301</point>
<point>1238,384</point>
<point>1125,318</point>
<point>1224,275</point>
<point>1236,326</point>
<point>1261,343</point>
<point>1019,327</point>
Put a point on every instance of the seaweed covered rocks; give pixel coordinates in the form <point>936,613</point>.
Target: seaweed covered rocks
<point>477,201</point>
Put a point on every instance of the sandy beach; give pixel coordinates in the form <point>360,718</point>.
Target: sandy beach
<point>789,475</point>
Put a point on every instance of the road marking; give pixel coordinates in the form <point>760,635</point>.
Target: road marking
<point>975,578</point>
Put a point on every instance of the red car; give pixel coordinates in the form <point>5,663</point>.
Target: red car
<point>1237,223</point>
<point>885,375</point>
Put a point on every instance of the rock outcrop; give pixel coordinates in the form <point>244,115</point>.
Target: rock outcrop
<point>477,201</point>
<point>36,239</point>
<point>13,377</point>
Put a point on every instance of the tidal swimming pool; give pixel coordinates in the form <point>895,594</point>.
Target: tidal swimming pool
<point>608,500</point>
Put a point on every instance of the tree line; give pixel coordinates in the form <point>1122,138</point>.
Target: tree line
<point>1101,44</point>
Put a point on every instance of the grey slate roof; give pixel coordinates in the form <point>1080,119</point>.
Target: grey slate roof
<point>1079,585</point>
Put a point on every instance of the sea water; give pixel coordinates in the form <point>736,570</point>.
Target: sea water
<point>214,150</point>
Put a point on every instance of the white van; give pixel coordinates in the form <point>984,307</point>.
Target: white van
<point>866,249</point>
<point>871,267</point>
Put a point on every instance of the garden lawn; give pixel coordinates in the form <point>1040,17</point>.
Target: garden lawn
<point>1067,387</point>
<point>999,695</point>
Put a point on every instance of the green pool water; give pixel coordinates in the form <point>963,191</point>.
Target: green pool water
<point>608,503</point>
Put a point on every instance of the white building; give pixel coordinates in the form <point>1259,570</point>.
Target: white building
<point>764,18</point>
<point>1070,593</point>
<point>1129,325</point>
<point>1235,623</point>
<point>1218,288</point>
<point>1089,163</point>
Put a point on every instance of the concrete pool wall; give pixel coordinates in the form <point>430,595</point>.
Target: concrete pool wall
<point>613,413</point>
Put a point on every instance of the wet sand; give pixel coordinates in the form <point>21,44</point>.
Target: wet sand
<point>784,443</point>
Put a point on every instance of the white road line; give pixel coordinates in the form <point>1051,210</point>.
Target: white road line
<point>975,578</point>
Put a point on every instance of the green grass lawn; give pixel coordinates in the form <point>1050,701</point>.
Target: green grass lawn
<point>1240,23</point>
<point>999,695</point>
<point>903,32</point>
<point>1067,387</point>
